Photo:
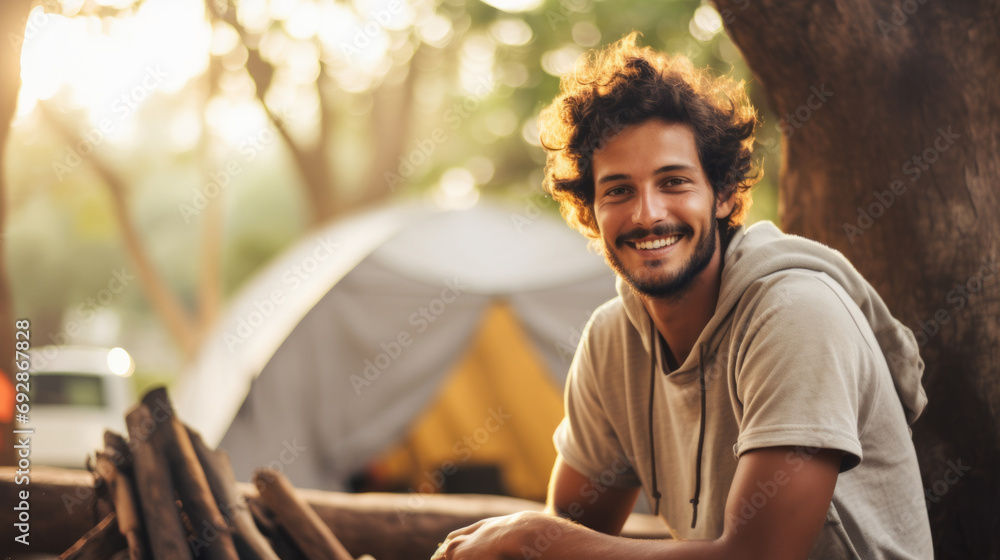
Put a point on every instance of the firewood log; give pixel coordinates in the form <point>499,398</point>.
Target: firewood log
<point>309,532</point>
<point>164,530</point>
<point>211,540</point>
<point>250,543</point>
<point>281,542</point>
<point>110,464</point>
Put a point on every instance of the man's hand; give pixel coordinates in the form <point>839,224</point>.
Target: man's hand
<point>502,538</point>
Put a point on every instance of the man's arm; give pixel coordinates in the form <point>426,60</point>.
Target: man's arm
<point>589,503</point>
<point>796,488</point>
<point>781,522</point>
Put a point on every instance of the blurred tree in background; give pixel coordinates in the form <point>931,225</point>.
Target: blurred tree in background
<point>162,151</point>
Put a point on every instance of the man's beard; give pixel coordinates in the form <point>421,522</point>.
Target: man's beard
<point>673,286</point>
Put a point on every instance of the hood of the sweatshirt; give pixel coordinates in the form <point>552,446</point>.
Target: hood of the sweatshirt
<point>762,249</point>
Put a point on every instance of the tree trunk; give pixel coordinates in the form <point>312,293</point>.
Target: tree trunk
<point>13,19</point>
<point>890,116</point>
<point>390,122</point>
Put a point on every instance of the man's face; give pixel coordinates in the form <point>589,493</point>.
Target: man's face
<point>655,208</point>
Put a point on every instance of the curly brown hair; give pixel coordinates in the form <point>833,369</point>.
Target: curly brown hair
<point>625,84</point>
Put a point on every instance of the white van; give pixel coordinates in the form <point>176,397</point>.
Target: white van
<point>76,393</point>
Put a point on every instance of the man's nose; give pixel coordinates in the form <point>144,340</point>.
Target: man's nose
<point>650,208</point>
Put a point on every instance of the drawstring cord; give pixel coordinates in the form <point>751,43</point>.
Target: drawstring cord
<point>652,438</point>
<point>701,439</point>
<point>652,386</point>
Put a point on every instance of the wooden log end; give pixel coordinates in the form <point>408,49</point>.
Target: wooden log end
<point>116,446</point>
<point>158,402</point>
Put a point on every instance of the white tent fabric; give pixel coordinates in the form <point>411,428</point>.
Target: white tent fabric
<point>355,348</point>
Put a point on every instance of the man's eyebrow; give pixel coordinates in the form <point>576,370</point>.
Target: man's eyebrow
<point>615,177</point>
<point>664,169</point>
<point>674,167</point>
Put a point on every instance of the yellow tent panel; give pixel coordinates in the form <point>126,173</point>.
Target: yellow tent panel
<point>498,406</point>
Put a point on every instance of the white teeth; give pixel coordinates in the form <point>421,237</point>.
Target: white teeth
<point>657,243</point>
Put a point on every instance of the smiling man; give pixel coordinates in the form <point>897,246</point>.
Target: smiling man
<point>751,383</point>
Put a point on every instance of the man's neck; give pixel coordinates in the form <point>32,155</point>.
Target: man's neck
<point>681,319</point>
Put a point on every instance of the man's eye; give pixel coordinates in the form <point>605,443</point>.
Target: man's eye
<point>615,191</point>
<point>674,181</point>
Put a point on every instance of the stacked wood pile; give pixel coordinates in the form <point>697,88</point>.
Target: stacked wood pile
<point>409,526</point>
<point>163,493</point>
<point>169,496</point>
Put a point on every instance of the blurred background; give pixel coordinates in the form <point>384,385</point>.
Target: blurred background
<point>167,156</point>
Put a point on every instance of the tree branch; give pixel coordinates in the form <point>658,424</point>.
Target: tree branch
<point>178,321</point>
<point>310,161</point>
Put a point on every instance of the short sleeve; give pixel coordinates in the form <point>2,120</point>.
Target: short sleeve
<point>585,438</point>
<point>804,363</point>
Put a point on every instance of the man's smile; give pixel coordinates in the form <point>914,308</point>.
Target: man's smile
<point>655,243</point>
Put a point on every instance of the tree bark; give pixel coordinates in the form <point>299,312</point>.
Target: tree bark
<point>891,154</point>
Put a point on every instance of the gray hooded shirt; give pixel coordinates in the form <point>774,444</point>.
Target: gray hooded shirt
<point>801,351</point>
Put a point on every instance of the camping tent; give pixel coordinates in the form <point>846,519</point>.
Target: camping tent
<point>419,340</point>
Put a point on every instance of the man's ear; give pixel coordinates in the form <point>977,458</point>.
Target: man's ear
<point>724,206</point>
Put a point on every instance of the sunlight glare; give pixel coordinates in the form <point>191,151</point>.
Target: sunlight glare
<point>457,190</point>
<point>395,15</point>
<point>512,32</point>
<point>560,62</point>
<point>304,22</point>
<point>436,31</point>
<point>111,69</point>
<point>502,121</point>
<point>529,131</point>
<point>337,27</point>
<point>482,169</point>
<point>224,39</point>
<point>514,6</point>
<point>235,120</point>
<point>476,65</point>
<point>254,16</point>
<point>586,34</point>
<point>706,23</point>
<point>185,131</point>
<point>281,10</point>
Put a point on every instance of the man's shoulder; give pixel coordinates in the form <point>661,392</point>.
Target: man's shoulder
<point>796,291</point>
<point>802,308</point>
<point>609,311</point>
<point>609,331</point>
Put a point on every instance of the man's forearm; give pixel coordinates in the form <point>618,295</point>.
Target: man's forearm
<point>528,535</point>
<point>565,540</point>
